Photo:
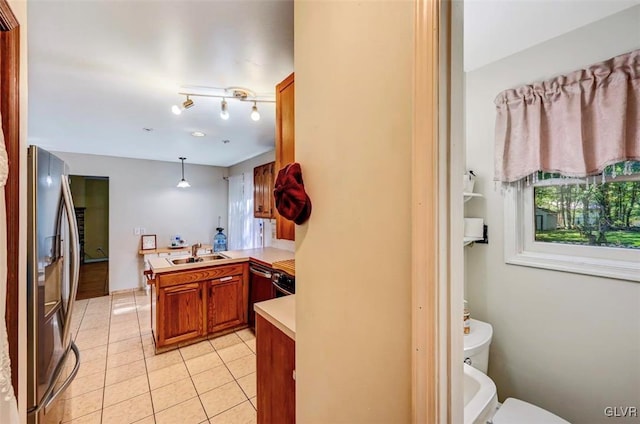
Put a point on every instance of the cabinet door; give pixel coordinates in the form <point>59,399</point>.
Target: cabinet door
<point>276,362</point>
<point>181,309</point>
<point>269,180</point>
<point>258,192</point>
<point>285,142</point>
<point>263,202</point>
<point>225,303</point>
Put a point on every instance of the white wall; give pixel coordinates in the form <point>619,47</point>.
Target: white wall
<point>143,193</point>
<point>354,63</point>
<point>269,224</point>
<point>567,342</point>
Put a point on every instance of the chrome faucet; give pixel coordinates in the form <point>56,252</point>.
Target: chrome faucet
<point>194,249</point>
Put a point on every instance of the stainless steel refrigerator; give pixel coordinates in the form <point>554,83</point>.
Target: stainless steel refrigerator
<point>52,281</point>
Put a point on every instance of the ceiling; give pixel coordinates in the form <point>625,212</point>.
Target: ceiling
<point>101,71</point>
<point>495,29</point>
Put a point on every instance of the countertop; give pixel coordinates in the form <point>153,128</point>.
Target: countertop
<point>266,256</point>
<point>280,312</point>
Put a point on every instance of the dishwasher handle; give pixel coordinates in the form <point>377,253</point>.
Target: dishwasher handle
<point>260,272</point>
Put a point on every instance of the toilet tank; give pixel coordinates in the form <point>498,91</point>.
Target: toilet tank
<point>476,345</point>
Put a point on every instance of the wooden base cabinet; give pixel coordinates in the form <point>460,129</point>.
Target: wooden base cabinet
<point>226,303</point>
<point>182,309</point>
<point>190,305</point>
<point>276,363</point>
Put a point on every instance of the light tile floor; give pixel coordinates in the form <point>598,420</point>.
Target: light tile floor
<point>121,380</point>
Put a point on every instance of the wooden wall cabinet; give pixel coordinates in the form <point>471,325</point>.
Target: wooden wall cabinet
<point>275,363</point>
<point>285,144</point>
<point>263,200</point>
<point>191,305</point>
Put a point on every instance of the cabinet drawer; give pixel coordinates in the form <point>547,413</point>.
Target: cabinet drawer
<point>191,276</point>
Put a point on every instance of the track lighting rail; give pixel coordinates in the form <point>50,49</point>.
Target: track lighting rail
<point>228,96</point>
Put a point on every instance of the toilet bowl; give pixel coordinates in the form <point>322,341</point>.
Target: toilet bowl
<point>480,397</point>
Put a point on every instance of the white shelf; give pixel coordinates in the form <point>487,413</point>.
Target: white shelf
<point>469,196</point>
<point>468,240</point>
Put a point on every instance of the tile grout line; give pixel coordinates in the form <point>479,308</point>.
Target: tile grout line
<point>191,378</point>
<point>106,359</point>
<point>92,412</point>
<point>233,376</point>
<point>144,357</point>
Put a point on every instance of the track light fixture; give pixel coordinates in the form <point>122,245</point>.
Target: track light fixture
<point>255,115</point>
<point>224,113</point>
<point>177,110</point>
<point>234,93</point>
<point>183,183</point>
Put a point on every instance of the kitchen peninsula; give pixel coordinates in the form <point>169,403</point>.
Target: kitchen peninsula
<point>193,301</point>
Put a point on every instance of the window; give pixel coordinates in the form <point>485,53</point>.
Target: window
<point>577,225</point>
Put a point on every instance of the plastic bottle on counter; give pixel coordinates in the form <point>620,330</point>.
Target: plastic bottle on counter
<point>219,241</point>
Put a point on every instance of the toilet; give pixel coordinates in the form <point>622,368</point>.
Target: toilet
<point>512,411</point>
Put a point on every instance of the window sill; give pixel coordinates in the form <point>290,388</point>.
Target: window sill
<point>622,270</point>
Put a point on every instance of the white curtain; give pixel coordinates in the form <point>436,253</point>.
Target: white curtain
<point>244,229</point>
<point>8,404</point>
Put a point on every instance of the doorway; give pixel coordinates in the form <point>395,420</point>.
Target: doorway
<point>91,201</point>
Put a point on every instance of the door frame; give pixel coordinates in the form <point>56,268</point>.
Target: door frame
<point>10,110</point>
<point>437,256</point>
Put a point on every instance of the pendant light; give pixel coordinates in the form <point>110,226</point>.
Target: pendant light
<point>255,115</point>
<point>224,112</point>
<point>183,183</point>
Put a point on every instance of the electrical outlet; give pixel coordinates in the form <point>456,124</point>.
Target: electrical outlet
<point>136,231</point>
<point>143,230</point>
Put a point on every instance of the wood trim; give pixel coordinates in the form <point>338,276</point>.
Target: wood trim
<point>425,218</point>
<point>8,20</point>
<point>285,229</point>
<point>195,275</point>
<point>10,110</point>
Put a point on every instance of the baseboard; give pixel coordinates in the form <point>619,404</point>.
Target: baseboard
<point>90,261</point>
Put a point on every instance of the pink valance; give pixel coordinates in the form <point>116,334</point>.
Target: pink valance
<point>574,125</point>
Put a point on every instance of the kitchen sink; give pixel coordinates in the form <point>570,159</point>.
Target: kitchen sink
<point>203,258</point>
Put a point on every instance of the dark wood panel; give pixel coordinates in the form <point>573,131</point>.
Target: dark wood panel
<point>285,144</point>
<point>10,110</point>
<point>260,289</point>
<point>275,356</point>
<point>191,276</point>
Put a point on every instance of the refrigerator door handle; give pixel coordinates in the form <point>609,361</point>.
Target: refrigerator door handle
<point>75,257</point>
<point>49,396</point>
<point>69,379</point>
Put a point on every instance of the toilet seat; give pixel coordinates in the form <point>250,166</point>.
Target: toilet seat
<point>515,411</point>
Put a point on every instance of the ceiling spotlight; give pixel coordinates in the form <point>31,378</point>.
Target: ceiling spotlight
<point>183,183</point>
<point>198,134</point>
<point>177,110</point>
<point>255,115</point>
<point>224,113</point>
